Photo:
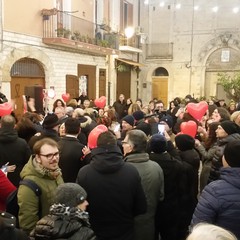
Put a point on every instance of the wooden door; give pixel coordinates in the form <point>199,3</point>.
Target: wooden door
<point>90,73</point>
<point>102,82</point>
<point>160,89</point>
<point>18,85</point>
<point>123,84</point>
<point>72,86</point>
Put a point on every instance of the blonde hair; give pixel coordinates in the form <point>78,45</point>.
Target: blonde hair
<point>206,231</point>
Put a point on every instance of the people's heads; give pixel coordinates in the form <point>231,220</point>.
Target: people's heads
<point>129,101</point>
<point>72,126</point>
<point>220,114</point>
<point>72,103</point>
<point>167,121</point>
<point>69,111</point>
<point>184,142</point>
<point>7,122</point>
<point>60,112</point>
<point>58,103</point>
<point>71,195</point>
<point>47,153</point>
<point>208,231</point>
<point>100,112</point>
<point>157,144</point>
<point>106,139</point>
<point>121,97</point>
<point>138,115</point>
<point>152,105</point>
<point>61,130</point>
<point>231,154</point>
<point>139,102</point>
<point>127,123</point>
<point>133,108</point>
<point>50,121</point>
<point>135,141</point>
<point>78,112</point>
<point>86,103</point>
<point>226,128</point>
<point>159,106</point>
<point>221,103</point>
<point>235,117</point>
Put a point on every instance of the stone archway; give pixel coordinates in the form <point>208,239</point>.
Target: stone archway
<point>216,64</point>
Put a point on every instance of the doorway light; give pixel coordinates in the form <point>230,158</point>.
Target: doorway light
<point>235,10</point>
<point>215,9</point>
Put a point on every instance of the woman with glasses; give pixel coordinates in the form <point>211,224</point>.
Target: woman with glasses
<point>42,168</point>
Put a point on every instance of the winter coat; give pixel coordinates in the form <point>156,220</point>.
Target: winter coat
<point>121,109</point>
<point>6,188</point>
<point>206,158</point>
<point>70,160</point>
<point>8,230</point>
<point>115,194</point>
<point>15,151</point>
<point>152,180</point>
<point>63,223</point>
<point>168,210</point>
<point>217,158</point>
<point>219,202</point>
<point>27,199</point>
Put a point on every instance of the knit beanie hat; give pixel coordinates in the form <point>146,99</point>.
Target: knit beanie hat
<point>70,194</point>
<point>129,119</point>
<point>184,142</point>
<point>167,119</point>
<point>50,121</point>
<point>157,143</point>
<point>138,115</point>
<point>231,153</point>
<point>230,127</point>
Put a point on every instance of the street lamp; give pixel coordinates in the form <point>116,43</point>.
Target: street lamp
<point>129,31</point>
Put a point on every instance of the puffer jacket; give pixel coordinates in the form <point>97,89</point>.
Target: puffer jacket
<point>217,157</point>
<point>219,202</point>
<point>63,223</point>
<point>28,201</point>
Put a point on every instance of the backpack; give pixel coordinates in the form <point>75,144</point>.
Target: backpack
<point>12,201</point>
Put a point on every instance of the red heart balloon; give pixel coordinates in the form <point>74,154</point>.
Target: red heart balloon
<point>100,102</point>
<point>189,128</point>
<point>93,135</point>
<point>5,109</point>
<point>65,97</point>
<point>197,110</point>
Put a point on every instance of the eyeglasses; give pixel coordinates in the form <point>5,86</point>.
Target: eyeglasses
<point>50,156</point>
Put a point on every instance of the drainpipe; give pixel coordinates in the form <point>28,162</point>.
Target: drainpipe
<point>138,46</point>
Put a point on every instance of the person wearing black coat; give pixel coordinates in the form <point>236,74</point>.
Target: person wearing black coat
<point>8,230</point>
<point>13,149</point>
<point>167,215</point>
<point>67,218</point>
<point>114,189</point>
<point>190,162</point>
<point>71,156</point>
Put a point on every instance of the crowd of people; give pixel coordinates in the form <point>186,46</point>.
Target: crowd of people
<point>122,172</point>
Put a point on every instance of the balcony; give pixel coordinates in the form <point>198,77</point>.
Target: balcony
<point>64,30</point>
<point>163,51</point>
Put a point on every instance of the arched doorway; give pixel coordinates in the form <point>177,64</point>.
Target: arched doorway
<point>25,72</point>
<point>160,85</point>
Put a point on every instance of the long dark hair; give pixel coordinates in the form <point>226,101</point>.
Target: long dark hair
<point>212,138</point>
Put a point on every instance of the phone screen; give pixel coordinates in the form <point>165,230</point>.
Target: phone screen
<point>161,128</point>
<point>117,128</point>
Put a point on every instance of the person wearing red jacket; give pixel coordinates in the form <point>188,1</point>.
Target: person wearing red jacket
<point>6,187</point>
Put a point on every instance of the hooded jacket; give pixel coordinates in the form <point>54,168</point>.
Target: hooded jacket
<point>219,202</point>
<point>15,151</point>
<point>115,194</point>
<point>27,199</point>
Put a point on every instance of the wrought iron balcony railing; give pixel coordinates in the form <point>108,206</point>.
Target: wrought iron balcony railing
<point>63,29</point>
